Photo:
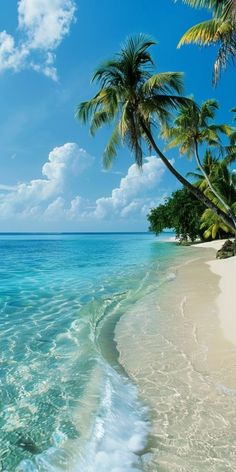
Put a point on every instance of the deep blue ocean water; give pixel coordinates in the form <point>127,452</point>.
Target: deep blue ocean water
<point>65,403</point>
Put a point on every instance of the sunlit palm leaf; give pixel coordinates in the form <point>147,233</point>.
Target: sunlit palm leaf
<point>164,82</point>
<point>111,148</point>
<point>203,33</point>
<point>221,30</point>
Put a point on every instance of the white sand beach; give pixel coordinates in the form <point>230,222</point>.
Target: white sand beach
<point>226,270</point>
<point>185,345</point>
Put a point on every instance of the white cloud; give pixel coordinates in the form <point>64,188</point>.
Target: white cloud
<point>37,196</point>
<point>54,197</point>
<point>123,200</point>
<point>42,25</point>
<point>55,209</point>
<point>7,188</point>
<point>11,57</point>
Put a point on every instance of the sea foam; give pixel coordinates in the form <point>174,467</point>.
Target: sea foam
<point>120,429</point>
<point>118,434</point>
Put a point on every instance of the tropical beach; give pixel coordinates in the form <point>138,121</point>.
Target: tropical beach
<point>117,236</point>
<point>186,347</point>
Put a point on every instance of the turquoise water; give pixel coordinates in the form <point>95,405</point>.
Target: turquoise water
<point>65,403</point>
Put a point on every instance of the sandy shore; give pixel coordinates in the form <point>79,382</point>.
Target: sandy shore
<point>226,270</point>
<point>179,346</point>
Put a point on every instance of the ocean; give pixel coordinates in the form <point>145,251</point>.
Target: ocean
<point>66,404</point>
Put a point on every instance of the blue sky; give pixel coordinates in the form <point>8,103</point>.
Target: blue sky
<point>50,167</point>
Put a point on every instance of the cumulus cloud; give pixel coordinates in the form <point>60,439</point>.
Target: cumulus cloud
<point>7,187</point>
<point>43,195</point>
<point>42,25</point>
<point>55,198</point>
<point>126,199</point>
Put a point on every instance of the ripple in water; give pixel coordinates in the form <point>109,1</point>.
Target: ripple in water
<point>62,406</point>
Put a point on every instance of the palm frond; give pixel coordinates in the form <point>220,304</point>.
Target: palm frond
<point>110,151</point>
<point>195,175</point>
<point>108,72</point>
<point>227,130</point>
<point>164,82</point>
<point>230,155</point>
<point>99,119</point>
<point>85,110</point>
<point>234,111</point>
<point>202,33</point>
<point>208,110</point>
<point>221,29</point>
<point>209,4</point>
<point>136,45</point>
<point>226,53</point>
<point>232,138</point>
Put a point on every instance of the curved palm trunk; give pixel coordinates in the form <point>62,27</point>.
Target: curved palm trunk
<point>225,205</point>
<point>194,190</point>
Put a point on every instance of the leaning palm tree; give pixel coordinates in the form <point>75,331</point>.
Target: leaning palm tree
<point>225,182</point>
<point>193,127</point>
<point>209,162</point>
<point>226,186</point>
<point>135,100</point>
<point>221,177</point>
<point>219,30</point>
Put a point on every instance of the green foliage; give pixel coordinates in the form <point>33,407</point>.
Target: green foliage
<point>181,212</point>
<point>193,127</point>
<point>213,226</point>
<point>195,124</point>
<point>220,30</point>
<point>131,97</point>
<point>223,179</point>
<point>135,101</point>
<point>224,182</point>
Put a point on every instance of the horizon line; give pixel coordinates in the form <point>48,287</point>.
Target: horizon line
<point>76,232</point>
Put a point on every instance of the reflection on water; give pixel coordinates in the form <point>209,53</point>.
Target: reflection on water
<point>63,406</point>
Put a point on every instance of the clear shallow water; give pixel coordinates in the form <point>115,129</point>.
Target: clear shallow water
<point>186,371</point>
<point>65,403</point>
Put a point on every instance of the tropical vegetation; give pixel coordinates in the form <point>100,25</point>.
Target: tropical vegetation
<point>180,212</point>
<point>186,215</point>
<point>193,128</point>
<point>223,180</point>
<point>220,30</point>
<point>138,103</point>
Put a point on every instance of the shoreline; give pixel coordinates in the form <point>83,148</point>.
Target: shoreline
<point>226,270</point>
<point>180,351</point>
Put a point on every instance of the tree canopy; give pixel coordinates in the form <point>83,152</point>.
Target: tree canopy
<point>181,212</point>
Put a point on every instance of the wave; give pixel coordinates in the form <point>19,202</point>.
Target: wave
<point>117,435</point>
<point>119,431</point>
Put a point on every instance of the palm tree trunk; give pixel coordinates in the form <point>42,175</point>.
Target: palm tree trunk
<point>225,205</point>
<point>194,190</point>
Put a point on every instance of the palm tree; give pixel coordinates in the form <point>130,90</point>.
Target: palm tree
<point>213,225</point>
<point>223,179</point>
<point>192,128</point>
<point>225,182</point>
<point>220,29</point>
<point>209,162</point>
<point>136,100</point>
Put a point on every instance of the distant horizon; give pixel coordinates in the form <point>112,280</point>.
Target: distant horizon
<point>80,232</point>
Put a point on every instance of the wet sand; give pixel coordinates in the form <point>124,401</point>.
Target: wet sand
<point>173,345</point>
